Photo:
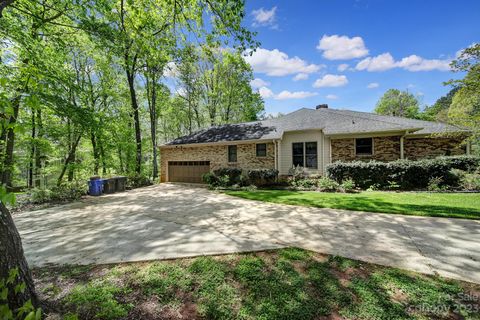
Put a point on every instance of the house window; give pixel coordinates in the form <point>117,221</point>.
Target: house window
<point>364,146</point>
<point>261,150</point>
<point>304,154</point>
<point>297,154</point>
<point>232,153</point>
<point>311,155</point>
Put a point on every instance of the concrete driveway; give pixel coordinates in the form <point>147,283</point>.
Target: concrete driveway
<point>170,221</point>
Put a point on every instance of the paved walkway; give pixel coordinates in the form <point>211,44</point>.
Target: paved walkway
<point>170,221</point>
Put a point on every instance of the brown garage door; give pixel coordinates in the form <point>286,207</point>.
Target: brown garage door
<point>187,171</point>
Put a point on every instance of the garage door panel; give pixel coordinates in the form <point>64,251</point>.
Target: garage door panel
<point>187,171</point>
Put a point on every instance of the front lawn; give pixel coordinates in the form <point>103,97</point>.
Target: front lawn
<point>279,284</point>
<point>451,205</point>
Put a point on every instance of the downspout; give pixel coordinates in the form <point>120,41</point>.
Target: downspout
<point>402,152</point>
<point>275,153</point>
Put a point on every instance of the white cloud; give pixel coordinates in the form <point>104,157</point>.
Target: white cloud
<point>413,62</point>
<point>342,47</point>
<point>284,95</point>
<point>265,93</point>
<point>264,17</point>
<point>300,76</point>
<point>373,85</point>
<point>258,83</point>
<point>342,67</point>
<point>416,63</point>
<point>331,80</point>
<point>331,96</point>
<point>381,62</point>
<point>277,63</point>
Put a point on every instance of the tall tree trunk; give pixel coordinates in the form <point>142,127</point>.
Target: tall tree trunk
<point>11,257</point>
<point>152,107</point>
<point>136,120</point>
<point>119,151</point>
<point>71,169</point>
<point>102,155</point>
<point>32,152</point>
<point>69,159</point>
<point>38,151</point>
<point>96,156</point>
<point>9,144</point>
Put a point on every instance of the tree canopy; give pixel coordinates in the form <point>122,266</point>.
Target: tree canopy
<point>113,79</point>
<point>398,103</point>
<point>93,87</point>
<point>465,107</point>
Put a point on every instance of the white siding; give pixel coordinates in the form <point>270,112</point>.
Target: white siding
<point>327,157</point>
<point>285,149</point>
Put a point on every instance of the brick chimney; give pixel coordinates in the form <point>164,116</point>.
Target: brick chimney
<point>322,106</point>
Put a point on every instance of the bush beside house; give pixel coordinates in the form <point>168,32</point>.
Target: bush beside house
<point>228,177</point>
<point>460,172</point>
<point>439,174</point>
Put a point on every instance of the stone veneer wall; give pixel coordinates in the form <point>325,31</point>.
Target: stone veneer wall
<point>218,157</point>
<point>384,149</point>
<point>421,148</point>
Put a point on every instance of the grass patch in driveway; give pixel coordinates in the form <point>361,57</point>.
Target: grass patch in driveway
<point>278,284</point>
<point>449,205</point>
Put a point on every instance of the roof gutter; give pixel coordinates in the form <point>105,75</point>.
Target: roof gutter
<point>217,143</point>
<point>370,133</point>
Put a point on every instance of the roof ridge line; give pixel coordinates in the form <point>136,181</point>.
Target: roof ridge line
<point>391,123</point>
<point>403,118</point>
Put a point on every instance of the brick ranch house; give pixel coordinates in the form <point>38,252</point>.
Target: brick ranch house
<point>311,138</point>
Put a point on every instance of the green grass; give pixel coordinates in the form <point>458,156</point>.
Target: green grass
<point>289,283</point>
<point>451,205</point>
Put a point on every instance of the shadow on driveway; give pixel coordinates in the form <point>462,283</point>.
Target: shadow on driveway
<point>171,221</point>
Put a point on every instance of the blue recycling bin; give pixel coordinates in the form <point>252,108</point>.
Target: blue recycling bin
<point>95,187</point>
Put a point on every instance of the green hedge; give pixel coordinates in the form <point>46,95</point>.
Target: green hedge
<point>226,177</point>
<point>406,174</point>
<point>233,174</point>
<point>262,177</point>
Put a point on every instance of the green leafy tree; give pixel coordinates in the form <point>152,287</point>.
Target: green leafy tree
<point>465,107</point>
<point>398,103</point>
<point>81,91</point>
<point>439,110</point>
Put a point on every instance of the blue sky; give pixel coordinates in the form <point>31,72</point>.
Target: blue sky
<point>348,53</point>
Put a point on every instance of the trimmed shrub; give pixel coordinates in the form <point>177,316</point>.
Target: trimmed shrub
<point>227,177</point>
<point>405,174</point>
<point>464,163</point>
<point>210,178</point>
<point>232,173</point>
<point>262,177</point>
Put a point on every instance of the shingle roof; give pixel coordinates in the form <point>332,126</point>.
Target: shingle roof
<point>330,121</point>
